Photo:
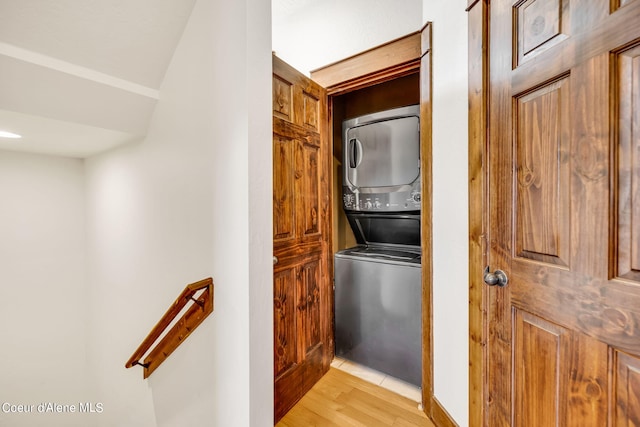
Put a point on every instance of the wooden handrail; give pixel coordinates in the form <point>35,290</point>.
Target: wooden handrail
<point>199,309</point>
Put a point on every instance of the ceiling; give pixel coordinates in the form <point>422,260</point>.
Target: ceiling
<point>281,9</point>
<point>80,77</point>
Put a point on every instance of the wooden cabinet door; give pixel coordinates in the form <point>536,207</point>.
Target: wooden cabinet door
<point>303,347</point>
<point>564,213</point>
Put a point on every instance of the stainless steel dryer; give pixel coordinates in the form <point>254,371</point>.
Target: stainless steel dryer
<point>381,163</point>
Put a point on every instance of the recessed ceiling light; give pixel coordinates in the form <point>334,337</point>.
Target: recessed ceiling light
<point>5,134</point>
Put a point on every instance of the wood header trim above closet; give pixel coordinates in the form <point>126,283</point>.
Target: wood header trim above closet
<point>425,39</point>
<point>390,60</point>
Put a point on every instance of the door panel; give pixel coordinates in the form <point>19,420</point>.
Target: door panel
<point>311,110</point>
<point>540,364</point>
<point>283,189</point>
<point>284,305</point>
<point>309,191</point>
<point>308,307</point>
<point>303,344</point>
<point>627,390</point>
<point>543,173</point>
<point>627,189</point>
<point>564,337</point>
<point>539,25</point>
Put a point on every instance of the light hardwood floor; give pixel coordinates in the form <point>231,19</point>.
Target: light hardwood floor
<point>340,399</point>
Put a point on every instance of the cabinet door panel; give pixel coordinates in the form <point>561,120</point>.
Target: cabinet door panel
<point>301,215</point>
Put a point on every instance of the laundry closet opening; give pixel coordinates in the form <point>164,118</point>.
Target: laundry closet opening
<point>352,209</point>
<point>376,232</point>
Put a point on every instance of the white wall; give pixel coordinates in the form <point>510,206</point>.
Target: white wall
<point>326,31</point>
<point>329,30</point>
<point>450,206</point>
<point>260,208</point>
<point>42,293</point>
<point>93,253</point>
<point>192,200</point>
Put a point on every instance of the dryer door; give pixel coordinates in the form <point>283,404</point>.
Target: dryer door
<point>383,154</point>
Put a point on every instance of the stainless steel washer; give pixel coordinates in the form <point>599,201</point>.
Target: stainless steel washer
<point>378,309</point>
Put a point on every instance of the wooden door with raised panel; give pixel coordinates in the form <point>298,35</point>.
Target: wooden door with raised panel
<point>564,213</point>
<point>302,287</point>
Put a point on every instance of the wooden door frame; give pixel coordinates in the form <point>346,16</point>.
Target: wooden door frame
<point>478,42</point>
<point>397,58</point>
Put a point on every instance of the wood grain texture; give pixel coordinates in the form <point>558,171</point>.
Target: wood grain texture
<point>431,406</point>
<point>282,98</point>
<point>283,189</point>
<point>340,399</point>
<point>616,4</point>
<point>539,25</point>
<point>540,365</point>
<point>499,158</point>
<point>440,416</point>
<point>543,172</point>
<point>425,39</point>
<point>197,298</point>
<point>284,306</point>
<point>477,60</point>
<point>388,61</point>
<point>308,307</point>
<point>627,159</point>
<point>303,343</point>
<point>627,390</point>
<point>311,111</point>
<point>561,183</point>
<point>588,393</point>
<point>309,192</point>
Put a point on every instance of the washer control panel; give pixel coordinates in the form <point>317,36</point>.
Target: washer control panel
<point>382,202</point>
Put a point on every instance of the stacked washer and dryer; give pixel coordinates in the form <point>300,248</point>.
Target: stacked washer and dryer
<point>378,288</point>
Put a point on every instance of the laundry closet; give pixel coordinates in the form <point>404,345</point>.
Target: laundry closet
<point>386,88</point>
<point>377,200</point>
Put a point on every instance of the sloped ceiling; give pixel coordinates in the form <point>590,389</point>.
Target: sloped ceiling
<point>78,77</point>
<point>282,9</point>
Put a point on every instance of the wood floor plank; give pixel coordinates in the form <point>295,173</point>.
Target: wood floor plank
<point>404,423</point>
<point>342,400</point>
<point>367,404</point>
<point>334,412</point>
<point>348,380</point>
<point>366,419</point>
<point>385,409</point>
